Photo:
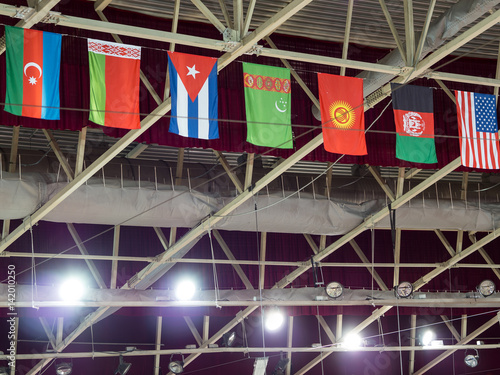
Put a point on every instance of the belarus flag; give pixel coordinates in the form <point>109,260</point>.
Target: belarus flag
<point>33,65</point>
<point>193,86</point>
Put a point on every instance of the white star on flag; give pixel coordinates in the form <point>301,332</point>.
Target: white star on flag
<point>192,71</point>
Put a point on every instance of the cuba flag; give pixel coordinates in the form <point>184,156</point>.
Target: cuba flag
<point>193,87</point>
<point>33,65</point>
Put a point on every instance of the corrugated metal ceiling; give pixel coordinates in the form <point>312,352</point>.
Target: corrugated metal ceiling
<point>325,20</point>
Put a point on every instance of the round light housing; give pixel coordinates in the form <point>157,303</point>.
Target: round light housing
<point>486,288</point>
<point>471,360</point>
<point>185,290</point>
<point>176,367</point>
<point>404,289</point>
<point>427,338</point>
<point>72,290</point>
<point>274,319</point>
<point>334,289</point>
<point>64,368</point>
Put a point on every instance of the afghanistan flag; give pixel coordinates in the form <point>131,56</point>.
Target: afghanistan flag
<point>267,103</point>
<point>342,114</point>
<point>33,64</point>
<point>414,117</point>
<point>114,84</point>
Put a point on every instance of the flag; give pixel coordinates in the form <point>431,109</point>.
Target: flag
<point>193,88</point>
<point>114,84</point>
<point>478,130</point>
<point>33,64</point>
<point>414,117</point>
<point>342,114</point>
<point>267,104</point>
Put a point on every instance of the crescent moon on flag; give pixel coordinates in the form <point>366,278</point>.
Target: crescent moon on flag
<point>35,65</point>
<point>276,105</point>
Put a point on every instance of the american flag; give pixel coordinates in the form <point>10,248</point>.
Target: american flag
<point>478,130</point>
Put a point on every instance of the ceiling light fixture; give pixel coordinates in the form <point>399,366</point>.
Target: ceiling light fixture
<point>280,367</point>
<point>486,288</point>
<point>185,290</point>
<point>72,290</point>
<point>259,366</point>
<point>176,367</point>
<point>403,289</point>
<point>427,338</point>
<point>123,367</point>
<point>352,341</point>
<point>471,360</point>
<point>274,319</point>
<point>64,368</point>
<point>228,339</point>
<point>334,289</point>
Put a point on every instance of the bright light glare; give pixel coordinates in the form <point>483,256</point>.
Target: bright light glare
<point>427,338</point>
<point>185,290</point>
<point>274,319</point>
<point>71,290</point>
<point>352,341</point>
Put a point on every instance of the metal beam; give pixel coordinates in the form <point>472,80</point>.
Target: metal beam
<point>249,171</point>
<point>114,263</point>
<point>412,172</point>
<point>485,255</point>
<point>227,18</point>
<point>450,326</point>
<point>446,90</point>
<point>425,29</point>
<point>460,241</point>
<point>180,166</point>
<point>101,4</point>
<point>230,256</point>
<point>394,31</point>
<point>159,321</point>
<point>93,269</point>
<point>59,331</point>
<point>137,150</point>
<point>171,48</point>
<point>193,330</point>
<point>463,326</point>
<point>409,32</point>
<point>230,173</point>
<point>262,257</point>
<point>347,32</point>
<point>413,333</point>
<point>289,344</point>
<point>311,243</point>
<point>238,17</point>
<point>376,174</point>
<point>80,150</point>
<point>464,341</point>
<point>369,222</point>
<point>326,328</point>
<point>209,15</point>
<point>40,11</point>
<point>48,332</point>
<point>369,266</point>
<point>465,184</point>
<point>206,326</point>
<point>397,256</point>
<point>248,42</point>
<point>60,156</point>
<point>445,242</point>
<point>248,17</point>
<point>113,151</point>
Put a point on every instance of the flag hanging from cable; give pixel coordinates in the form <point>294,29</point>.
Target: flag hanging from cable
<point>342,114</point>
<point>478,130</point>
<point>33,65</point>
<point>114,84</point>
<point>193,87</point>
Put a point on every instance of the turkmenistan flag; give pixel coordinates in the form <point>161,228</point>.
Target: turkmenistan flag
<point>114,84</point>
<point>267,102</point>
<point>414,117</point>
<point>33,65</point>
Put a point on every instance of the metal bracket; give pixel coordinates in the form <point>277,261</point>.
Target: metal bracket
<point>51,17</point>
<point>229,46</point>
<point>23,12</point>
<point>255,50</point>
<point>230,35</point>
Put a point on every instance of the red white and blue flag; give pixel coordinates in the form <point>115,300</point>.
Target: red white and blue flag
<point>193,87</point>
<point>478,130</point>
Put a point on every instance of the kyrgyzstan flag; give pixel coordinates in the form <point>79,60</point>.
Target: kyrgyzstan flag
<point>114,84</point>
<point>342,114</point>
<point>414,117</point>
<point>33,65</point>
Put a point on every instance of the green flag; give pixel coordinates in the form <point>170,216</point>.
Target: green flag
<point>267,102</point>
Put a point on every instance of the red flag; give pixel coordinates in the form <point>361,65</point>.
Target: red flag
<point>342,114</point>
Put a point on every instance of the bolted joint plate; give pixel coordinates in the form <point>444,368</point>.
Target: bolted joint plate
<point>24,12</point>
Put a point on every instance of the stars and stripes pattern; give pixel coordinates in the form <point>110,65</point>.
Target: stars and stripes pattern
<point>478,130</point>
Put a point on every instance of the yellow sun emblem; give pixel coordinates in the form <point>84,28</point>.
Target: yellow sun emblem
<point>342,115</point>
